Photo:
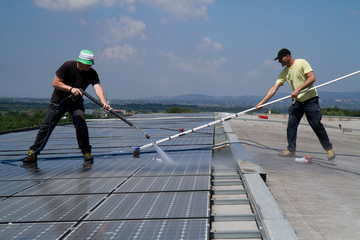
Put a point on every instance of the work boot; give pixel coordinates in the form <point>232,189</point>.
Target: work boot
<point>88,159</point>
<point>30,162</point>
<point>330,154</point>
<point>287,153</point>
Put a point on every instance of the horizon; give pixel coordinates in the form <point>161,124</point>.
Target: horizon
<point>198,94</point>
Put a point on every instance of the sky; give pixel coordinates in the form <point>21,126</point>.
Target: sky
<point>147,48</point>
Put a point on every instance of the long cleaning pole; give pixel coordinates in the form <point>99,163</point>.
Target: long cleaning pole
<point>238,114</point>
<point>114,113</point>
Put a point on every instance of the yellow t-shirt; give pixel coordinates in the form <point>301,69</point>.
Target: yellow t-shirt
<point>295,76</point>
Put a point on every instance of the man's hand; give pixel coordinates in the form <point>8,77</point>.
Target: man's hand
<point>106,106</point>
<point>294,94</point>
<point>258,108</point>
<point>76,92</point>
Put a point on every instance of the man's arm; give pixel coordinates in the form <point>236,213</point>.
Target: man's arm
<point>310,79</point>
<point>100,94</point>
<point>268,95</point>
<point>59,84</point>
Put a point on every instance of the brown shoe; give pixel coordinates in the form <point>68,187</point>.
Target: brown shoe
<point>30,162</point>
<point>88,160</point>
<point>330,154</point>
<point>287,153</point>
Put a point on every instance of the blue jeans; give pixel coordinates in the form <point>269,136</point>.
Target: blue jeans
<point>312,111</point>
<point>53,116</point>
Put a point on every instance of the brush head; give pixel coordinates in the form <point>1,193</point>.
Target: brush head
<point>136,153</point>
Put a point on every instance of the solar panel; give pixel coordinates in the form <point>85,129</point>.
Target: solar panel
<point>107,166</point>
<point>47,170</point>
<point>173,183</point>
<point>73,186</point>
<point>193,229</point>
<point>153,205</point>
<point>186,163</point>
<point>33,230</point>
<point>8,188</point>
<point>47,208</point>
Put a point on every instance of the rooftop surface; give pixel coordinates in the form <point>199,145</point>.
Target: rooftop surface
<point>320,199</point>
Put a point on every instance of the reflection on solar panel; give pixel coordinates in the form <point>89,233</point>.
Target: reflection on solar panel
<point>120,196</point>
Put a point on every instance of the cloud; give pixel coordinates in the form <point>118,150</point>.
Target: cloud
<point>200,66</point>
<point>123,52</point>
<point>76,5</point>
<point>179,8</point>
<point>208,45</point>
<point>83,22</point>
<point>67,5</point>
<point>354,12</point>
<point>253,74</point>
<point>182,8</point>
<point>116,30</point>
<point>171,55</point>
<point>193,65</point>
<point>270,63</point>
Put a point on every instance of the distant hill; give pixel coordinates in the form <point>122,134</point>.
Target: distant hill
<point>346,100</point>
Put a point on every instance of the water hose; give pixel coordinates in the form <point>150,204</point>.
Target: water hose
<point>114,113</point>
<point>138,149</point>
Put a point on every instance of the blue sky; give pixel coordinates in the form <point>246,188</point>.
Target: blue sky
<point>147,48</point>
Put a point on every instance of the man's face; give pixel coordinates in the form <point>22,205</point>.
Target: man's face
<point>284,60</point>
<point>83,67</point>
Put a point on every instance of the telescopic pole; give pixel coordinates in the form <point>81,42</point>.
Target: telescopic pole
<point>238,114</point>
<point>114,113</point>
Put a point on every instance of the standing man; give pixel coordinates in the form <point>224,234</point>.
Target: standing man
<point>300,76</point>
<point>67,97</point>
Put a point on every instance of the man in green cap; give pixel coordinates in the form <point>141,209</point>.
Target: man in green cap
<point>67,97</point>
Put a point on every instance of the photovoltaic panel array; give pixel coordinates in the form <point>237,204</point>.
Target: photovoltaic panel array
<point>120,197</point>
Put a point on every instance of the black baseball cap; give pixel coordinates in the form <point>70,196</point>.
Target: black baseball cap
<point>282,53</point>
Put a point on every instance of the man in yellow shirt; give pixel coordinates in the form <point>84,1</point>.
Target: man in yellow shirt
<point>300,76</point>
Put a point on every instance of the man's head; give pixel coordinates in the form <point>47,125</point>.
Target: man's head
<point>282,53</point>
<point>86,57</point>
<point>85,60</point>
<point>284,56</point>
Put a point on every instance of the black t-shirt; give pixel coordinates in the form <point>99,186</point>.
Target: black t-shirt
<point>72,76</point>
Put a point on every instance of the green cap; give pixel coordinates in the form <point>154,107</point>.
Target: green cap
<point>86,57</point>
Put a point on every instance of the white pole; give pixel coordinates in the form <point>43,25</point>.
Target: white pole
<point>239,113</point>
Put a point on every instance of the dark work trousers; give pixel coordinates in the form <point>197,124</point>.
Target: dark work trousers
<point>54,114</point>
<point>312,111</point>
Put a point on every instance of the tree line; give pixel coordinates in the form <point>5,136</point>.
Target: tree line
<point>33,118</point>
<point>12,120</point>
